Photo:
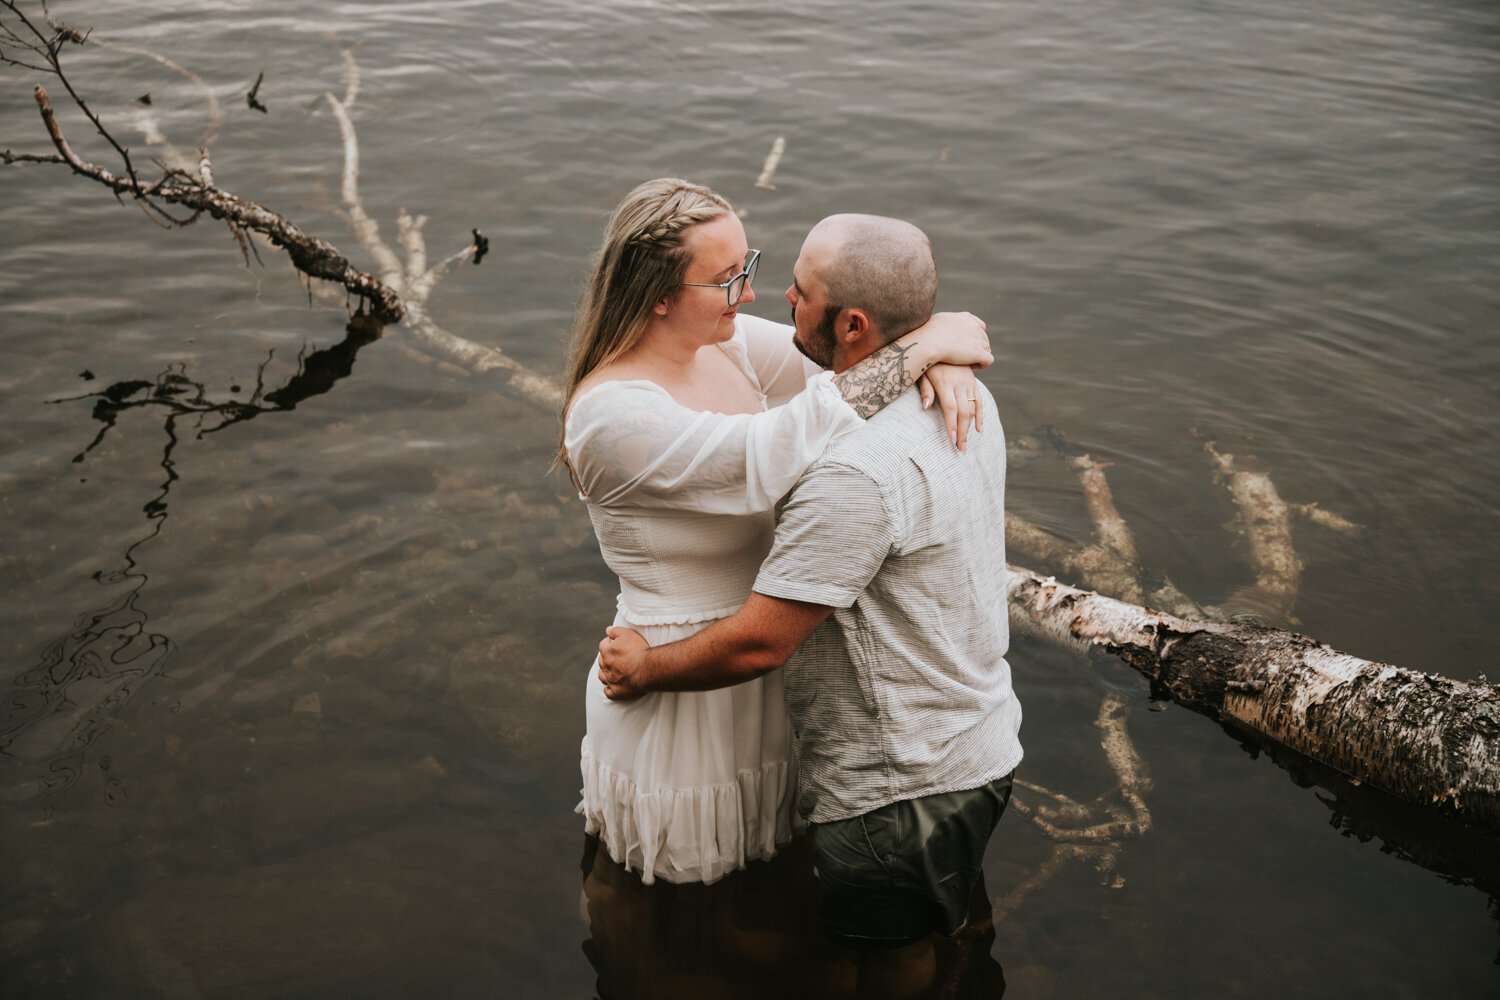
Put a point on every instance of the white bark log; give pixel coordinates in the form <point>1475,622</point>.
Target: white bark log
<point>1422,737</point>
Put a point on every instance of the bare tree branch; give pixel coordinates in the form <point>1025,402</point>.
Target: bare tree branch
<point>49,49</point>
<point>310,255</point>
<point>10,157</point>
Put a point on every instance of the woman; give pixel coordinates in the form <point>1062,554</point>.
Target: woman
<point>684,422</point>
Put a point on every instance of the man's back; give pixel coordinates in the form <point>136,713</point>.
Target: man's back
<point>905,691</point>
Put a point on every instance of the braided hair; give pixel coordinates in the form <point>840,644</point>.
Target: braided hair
<point>641,262</point>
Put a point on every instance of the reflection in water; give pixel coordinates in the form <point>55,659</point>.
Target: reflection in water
<point>181,396</point>
<point>1461,854</point>
<point>53,713</point>
<point>755,933</point>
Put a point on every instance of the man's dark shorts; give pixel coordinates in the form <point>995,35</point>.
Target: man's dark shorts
<point>895,874</point>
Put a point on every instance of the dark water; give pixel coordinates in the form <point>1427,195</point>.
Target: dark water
<point>294,700</point>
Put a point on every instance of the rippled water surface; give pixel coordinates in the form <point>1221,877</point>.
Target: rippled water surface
<point>293,702</point>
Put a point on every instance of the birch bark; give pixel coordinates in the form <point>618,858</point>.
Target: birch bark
<point>1428,739</point>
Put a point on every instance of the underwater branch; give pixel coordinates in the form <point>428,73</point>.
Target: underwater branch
<point>1430,740</point>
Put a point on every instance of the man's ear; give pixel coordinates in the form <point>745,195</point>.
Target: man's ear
<point>852,326</point>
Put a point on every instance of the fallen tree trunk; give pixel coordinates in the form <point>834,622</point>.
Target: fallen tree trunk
<point>1424,738</point>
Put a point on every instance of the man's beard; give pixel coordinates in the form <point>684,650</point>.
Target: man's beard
<point>822,342</point>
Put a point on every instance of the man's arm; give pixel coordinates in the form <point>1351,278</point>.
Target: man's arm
<point>755,640</point>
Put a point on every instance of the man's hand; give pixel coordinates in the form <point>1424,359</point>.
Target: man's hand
<point>754,640</point>
<point>622,664</point>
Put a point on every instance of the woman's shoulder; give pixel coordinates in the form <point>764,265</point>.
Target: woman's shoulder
<point>605,382</point>
<point>607,397</point>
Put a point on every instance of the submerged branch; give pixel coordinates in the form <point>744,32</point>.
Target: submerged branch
<point>416,279</point>
<point>517,378</point>
<point>215,111</point>
<point>1265,521</point>
<point>366,229</point>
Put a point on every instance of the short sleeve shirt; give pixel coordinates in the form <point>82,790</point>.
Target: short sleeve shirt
<point>905,690</point>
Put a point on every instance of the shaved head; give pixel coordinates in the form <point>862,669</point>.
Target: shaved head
<point>881,265</point>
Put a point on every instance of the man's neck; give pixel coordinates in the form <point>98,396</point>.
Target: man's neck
<point>847,356</point>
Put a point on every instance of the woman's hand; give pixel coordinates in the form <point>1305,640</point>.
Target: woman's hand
<point>946,338</point>
<point>957,338</point>
<point>957,391</point>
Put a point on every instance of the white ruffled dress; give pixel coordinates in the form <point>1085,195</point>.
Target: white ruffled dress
<point>690,786</point>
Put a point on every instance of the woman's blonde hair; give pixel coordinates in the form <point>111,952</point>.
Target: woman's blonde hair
<point>641,262</point>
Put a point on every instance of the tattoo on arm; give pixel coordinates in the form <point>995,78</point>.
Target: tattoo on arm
<point>879,379</point>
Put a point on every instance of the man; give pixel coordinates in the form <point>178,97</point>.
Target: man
<point>885,595</point>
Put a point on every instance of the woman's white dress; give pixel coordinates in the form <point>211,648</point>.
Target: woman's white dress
<point>689,786</point>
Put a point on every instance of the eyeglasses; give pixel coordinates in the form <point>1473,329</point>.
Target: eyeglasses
<point>735,286</point>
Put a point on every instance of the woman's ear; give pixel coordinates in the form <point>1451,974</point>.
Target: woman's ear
<point>662,307</point>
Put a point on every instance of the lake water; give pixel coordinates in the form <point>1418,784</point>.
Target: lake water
<point>295,701</point>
